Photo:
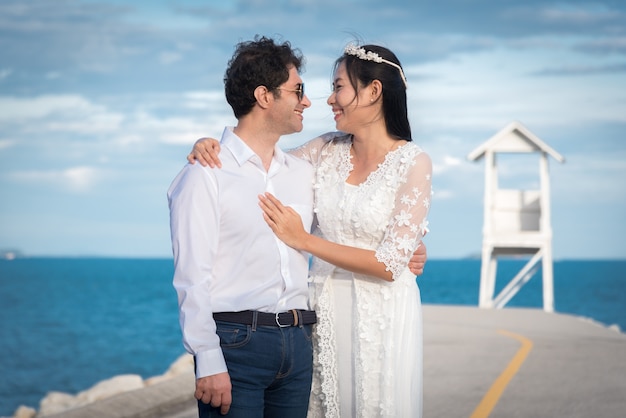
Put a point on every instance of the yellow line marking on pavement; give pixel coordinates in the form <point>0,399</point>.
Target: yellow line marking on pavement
<point>492,396</point>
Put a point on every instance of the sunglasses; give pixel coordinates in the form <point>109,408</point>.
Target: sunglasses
<point>299,91</point>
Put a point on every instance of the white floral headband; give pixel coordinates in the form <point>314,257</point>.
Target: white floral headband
<point>360,53</point>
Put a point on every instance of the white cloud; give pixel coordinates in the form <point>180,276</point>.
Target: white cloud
<point>207,113</point>
<point>443,194</point>
<point>491,88</point>
<point>169,57</point>
<point>128,139</point>
<point>52,75</point>
<point>204,100</point>
<point>579,14</point>
<point>6,143</point>
<point>176,130</point>
<point>75,179</point>
<point>97,123</point>
<point>37,107</point>
<point>614,45</point>
<point>446,163</point>
<point>70,113</point>
<point>80,178</point>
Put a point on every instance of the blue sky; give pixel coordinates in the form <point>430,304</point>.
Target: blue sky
<point>101,100</point>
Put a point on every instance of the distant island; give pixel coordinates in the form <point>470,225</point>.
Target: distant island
<point>10,254</point>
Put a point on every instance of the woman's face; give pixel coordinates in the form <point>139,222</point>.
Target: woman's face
<point>345,102</point>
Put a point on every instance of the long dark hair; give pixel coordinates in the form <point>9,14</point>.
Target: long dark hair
<point>394,107</point>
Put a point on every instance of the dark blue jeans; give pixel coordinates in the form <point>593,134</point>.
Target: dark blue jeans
<point>270,371</point>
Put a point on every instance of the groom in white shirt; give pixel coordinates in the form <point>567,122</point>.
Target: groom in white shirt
<point>242,293</point>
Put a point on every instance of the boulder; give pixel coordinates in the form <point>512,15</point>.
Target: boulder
<point>24,412</point>
<point>182,365</point>
<point>57,402</point>
<point>110,387</point>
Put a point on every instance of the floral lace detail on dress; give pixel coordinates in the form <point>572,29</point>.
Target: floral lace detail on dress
<point>324,402</point>
<point>389,207</point>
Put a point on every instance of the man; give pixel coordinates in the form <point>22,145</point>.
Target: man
<point>236,282</point>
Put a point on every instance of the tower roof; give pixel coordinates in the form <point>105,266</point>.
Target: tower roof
<point>515,137</point>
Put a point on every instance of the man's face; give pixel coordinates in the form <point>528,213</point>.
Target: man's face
<point>289,105</point>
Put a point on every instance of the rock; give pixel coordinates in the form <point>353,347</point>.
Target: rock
<point>110,387</point>
<point>57,402</point>
<point>184,364</point>
<point>24,412</point>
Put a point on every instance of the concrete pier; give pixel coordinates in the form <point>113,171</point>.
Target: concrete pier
<point>478,363</point>
<point>574,368</point>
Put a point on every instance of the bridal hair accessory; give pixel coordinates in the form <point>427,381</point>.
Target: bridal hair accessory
<point>360,53</point>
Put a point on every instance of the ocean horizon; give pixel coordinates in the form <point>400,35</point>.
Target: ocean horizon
<point>69,322</point>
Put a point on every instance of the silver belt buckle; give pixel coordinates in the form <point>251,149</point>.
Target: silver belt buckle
<point>278,322</point>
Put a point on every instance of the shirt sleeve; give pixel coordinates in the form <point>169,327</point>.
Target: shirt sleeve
<point>408,223</point>
<point>194,224</point>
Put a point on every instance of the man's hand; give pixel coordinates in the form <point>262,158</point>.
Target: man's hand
<point>216,390</point>
<point>418,260</point>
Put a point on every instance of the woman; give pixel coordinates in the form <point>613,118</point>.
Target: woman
<point>372,195</point>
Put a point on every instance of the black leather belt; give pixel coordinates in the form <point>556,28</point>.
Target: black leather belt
<point>290,318</point>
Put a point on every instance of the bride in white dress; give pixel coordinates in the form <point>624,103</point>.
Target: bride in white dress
<point>372,195</point>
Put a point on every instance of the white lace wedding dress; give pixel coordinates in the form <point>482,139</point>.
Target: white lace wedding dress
<point>368,340</point>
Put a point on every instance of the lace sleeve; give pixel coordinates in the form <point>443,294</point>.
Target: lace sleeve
<point>311,150</point>
<point>408,223</point>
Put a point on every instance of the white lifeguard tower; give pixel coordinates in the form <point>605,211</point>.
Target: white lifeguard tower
<point>516,221</point>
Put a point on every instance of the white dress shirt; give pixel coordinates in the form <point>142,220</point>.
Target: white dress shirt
<point>226,257</point>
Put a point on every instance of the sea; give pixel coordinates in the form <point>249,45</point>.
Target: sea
<point>68,323</point>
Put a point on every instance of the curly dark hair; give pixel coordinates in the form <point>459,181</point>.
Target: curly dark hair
<point>261,62</point>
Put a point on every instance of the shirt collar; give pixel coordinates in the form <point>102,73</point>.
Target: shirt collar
<point>242,152</point>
